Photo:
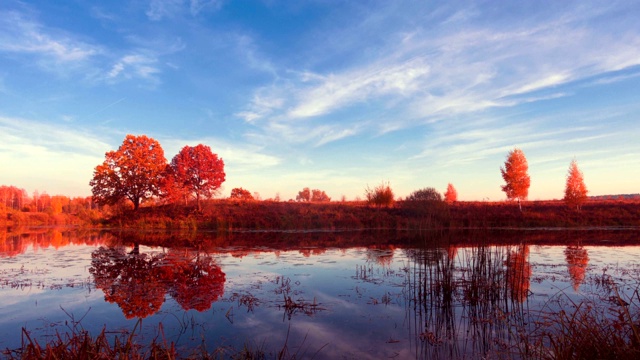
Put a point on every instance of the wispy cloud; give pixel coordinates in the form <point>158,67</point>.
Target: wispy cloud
<point>21,34</point>
<point>162,9</point>
<point>129,66</point>
<point>439,70</point>
<point>336,91</point>
<point>159,9</point>
<point>61,158</point>
<point>240,157</point>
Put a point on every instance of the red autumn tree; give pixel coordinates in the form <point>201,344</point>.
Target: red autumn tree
<point>516,177</point>
<point>198,171</point>
<point>240,194</point>
<point>132,172</point>
<point>319,196</point>
<point>304,195</point>
<point>575,192</point>
<point>451,195</point>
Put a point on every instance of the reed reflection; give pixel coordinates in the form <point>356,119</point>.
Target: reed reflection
<point>467,301</point>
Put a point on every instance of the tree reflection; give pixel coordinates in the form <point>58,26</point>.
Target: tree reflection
<point>132,280</point>
<point>138,282</point>
<point>519,273</point>
<point>196,282</point>
<point>577,261</point>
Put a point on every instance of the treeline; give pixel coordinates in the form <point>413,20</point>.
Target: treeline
<point>17,207</point>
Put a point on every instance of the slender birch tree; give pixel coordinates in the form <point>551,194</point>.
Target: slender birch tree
<point>516,177</point>
<point>575,191</point>
<point>451,195</point>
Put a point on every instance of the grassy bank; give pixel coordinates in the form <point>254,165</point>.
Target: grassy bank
<point>224,215</point>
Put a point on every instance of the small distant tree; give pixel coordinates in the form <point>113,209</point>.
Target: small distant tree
<point>319,196</point>
<point>304,195</point>
<point>380,196</point>
<point>451,195</point>
<point>516,177</point>
<point>240,194</point>
<point>575,192</point>
<point>428,205</point>
<point>426,194</point>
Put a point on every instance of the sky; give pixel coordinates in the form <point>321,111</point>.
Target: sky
<point>330,95</point>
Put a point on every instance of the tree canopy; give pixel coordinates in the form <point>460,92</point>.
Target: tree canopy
<point>426,194</point>
<point>515,175</point>
<point>240,194</point>
<point>575,192</point>
<point>198,171</point>
<point>132,172</point>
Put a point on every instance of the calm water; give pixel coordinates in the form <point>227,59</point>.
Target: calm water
<point>328,295</point>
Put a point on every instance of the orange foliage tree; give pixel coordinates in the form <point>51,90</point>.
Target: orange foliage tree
<point>132,172</point>
<point>516,177</point>
<point>451,195</point>
<point>319,196</point>
<point>240,194</point>
<point>575,192</point>
<point>304,195</point>
<point>197,171</point>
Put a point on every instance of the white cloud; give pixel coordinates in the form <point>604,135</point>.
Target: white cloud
<point>136,65</point>
<point>336,91</point>
<point>159,9</point>
<point>61,159</point>
<point>196,6</point>
<point>238,156</point>
<point>23,35</point>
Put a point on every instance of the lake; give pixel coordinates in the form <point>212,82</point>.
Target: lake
<point>322,295</point>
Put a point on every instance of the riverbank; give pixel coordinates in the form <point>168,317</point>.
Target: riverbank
<point>228,215</point>
<point>224,215</point>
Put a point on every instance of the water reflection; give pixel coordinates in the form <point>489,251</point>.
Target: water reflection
<point>435,298</point>
<point>577,261</point>
<point>13,243</point>
<point>467,301</point>
<point>138,282</point>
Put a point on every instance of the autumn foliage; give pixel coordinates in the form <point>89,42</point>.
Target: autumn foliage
<point>515,175</point>
<point>380,196</point>
<point>240,194</point>
<point>575,192</point>
<point>195,170</point>
<point>451,195</point>
<point>132,172</point>
<point>138,171</point>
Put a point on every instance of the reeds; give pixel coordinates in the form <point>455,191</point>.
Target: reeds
<point>601,328</point>
<point>79,344</point>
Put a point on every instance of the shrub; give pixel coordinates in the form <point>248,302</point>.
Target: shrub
<point>380,196</point>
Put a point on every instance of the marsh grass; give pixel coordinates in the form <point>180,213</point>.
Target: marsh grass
<point>605,327</point>
<point>79,344</point>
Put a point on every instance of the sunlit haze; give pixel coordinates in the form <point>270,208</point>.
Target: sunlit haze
<point>331,95</point>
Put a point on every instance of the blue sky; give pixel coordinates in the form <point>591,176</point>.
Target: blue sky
<point>334,95</point>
